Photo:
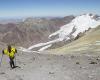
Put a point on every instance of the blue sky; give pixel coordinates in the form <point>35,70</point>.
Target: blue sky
<point>26,8</point>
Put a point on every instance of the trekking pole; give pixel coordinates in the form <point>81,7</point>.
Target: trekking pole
<point>15,59</point>
<point>1,60</point>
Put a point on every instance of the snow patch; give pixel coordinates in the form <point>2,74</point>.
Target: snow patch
<point>26,50</point>
<point>44,48</point>
<point>44,44</point>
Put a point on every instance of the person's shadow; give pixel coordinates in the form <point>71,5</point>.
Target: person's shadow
<point>16,67</point>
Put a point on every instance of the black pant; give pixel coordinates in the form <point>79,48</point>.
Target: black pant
<point>12,65</point>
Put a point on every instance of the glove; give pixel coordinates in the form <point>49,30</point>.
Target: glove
<point>15,50</point>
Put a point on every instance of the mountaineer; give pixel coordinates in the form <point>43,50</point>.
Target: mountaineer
<point>10,52</point>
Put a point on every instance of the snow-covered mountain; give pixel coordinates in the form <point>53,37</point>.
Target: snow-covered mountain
<point>70,31</point>
<point>79,25</point>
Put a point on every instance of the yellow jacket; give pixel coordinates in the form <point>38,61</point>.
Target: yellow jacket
<point>11,54</point>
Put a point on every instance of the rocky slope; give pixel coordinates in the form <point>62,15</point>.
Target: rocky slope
<point>89,42</point>
<point>45,66</point>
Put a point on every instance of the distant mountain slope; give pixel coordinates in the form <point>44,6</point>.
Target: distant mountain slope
<point>89,42</point>
<point>10,20</point>
<point>30,30</point>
